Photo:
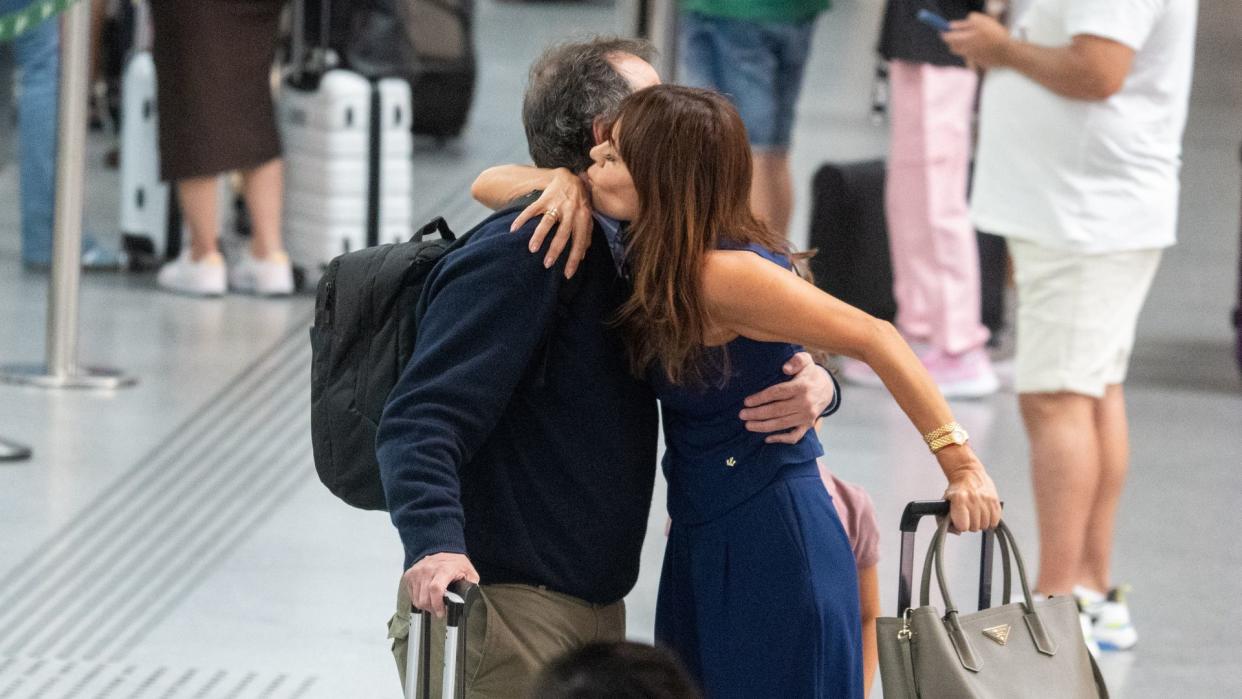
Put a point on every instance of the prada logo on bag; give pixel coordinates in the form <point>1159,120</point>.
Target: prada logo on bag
<point>1000,634</point>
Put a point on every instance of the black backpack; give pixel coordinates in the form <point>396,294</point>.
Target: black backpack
<point>363,336</point>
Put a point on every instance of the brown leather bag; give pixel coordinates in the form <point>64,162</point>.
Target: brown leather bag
<point>1017,650</point>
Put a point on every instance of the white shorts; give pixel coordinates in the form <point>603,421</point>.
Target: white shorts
<point>1076,316</point>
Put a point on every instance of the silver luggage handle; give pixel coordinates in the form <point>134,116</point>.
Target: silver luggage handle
<point>418,653</point>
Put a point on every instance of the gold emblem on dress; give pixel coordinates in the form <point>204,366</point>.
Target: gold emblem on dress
<point>1000,634</point>
<point>730,462</point>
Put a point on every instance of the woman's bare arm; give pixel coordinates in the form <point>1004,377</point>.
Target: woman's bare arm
<point>749,296</point>
<point>496,186</point>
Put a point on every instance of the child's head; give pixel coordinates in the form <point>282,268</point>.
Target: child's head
<point>620,670</point>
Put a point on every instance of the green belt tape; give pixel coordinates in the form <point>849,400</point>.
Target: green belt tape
<point>14,24</point>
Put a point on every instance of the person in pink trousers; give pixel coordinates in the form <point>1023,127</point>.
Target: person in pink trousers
<point>934,250</point>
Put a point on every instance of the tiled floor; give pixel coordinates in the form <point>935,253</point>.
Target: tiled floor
<point>171,540</point>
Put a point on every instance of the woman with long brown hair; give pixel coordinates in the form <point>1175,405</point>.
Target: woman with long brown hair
<point>758,593</point>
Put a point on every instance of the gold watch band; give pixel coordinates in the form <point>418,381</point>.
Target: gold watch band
<point>942,442</point>
<point>940,432</point>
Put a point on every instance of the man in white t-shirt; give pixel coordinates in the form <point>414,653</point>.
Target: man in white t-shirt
<point>1079,153</point>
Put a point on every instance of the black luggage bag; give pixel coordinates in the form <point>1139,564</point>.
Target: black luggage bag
<point>849,229</point>
<point>430,43</point>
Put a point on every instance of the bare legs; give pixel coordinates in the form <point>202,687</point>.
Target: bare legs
<point>1114,440</point>
<point>1079,458</point>
<point>199,206</point>
<point>262,189</point>
<point>771,190</point>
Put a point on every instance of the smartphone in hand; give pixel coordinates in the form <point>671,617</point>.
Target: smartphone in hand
<point>933,20</point>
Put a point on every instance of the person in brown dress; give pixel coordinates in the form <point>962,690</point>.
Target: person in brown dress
<point>213,61</point>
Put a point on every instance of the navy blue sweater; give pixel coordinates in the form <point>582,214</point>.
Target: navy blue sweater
<point>516,434</point>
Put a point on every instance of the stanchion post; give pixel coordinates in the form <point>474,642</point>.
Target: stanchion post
<point>661,30</point>
<point>61,369</point>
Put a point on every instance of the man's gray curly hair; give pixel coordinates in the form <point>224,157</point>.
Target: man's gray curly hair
<point>569,87</point>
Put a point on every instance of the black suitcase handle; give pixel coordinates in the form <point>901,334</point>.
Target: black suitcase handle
<point>910,518</point>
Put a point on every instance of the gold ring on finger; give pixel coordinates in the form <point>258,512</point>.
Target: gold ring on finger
<point>556,215</point>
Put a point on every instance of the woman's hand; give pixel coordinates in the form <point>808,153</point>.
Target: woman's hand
<point>973,502</point>
<point>566,205</point>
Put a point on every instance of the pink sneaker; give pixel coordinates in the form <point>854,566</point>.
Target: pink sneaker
<point>966,375</point>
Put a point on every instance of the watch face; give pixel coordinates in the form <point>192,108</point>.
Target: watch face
<point>959,436</point>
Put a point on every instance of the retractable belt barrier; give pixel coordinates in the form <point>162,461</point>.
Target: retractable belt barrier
<point>61,368</point>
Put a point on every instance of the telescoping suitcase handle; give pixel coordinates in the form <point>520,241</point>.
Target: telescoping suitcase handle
<point>418,655</point>
<point>910,518</point>
<point>310,63</point>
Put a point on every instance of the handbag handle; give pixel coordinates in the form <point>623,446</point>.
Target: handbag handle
<point>965,651</point>
<point>910,518</point>
<point>935,551</point>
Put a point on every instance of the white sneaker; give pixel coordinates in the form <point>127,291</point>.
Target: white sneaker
<point>1110,617</point>
<point>270,276</point>
<point>185,275</point>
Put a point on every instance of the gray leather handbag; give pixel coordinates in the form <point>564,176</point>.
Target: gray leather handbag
<point>1017,650</point>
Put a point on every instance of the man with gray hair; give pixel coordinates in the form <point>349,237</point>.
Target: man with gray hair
<point>517,450</point>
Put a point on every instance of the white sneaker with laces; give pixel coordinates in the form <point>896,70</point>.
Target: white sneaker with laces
<point>203,277</point>
<point>269,276</point>
<point>1110,617</point>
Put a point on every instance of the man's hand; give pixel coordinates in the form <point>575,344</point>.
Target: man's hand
<point>979,39</point>
<point>427,579</point>
<point>792,407</point>
<point>566,205</point>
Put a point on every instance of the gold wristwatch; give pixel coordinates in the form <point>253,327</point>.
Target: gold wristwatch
<point>943,436</point>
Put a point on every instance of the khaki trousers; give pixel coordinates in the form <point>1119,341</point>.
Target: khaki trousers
<point>512,632</point>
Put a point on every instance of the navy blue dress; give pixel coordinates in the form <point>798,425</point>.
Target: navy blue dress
<point>759,591</point>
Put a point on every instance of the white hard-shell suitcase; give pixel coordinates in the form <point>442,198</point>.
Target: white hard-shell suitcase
<point>144,198</point>
<point>348,159</point>
<point>418,674</point>
<point>146,220</point>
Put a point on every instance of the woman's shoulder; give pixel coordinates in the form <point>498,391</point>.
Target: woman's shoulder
<point>737,265</point>
<point>755,249</point>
